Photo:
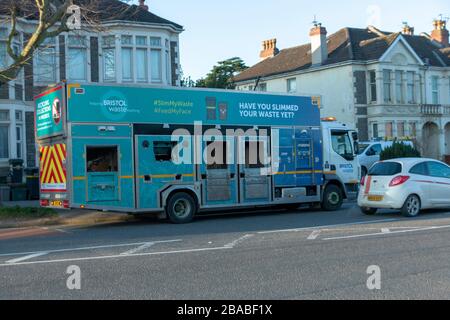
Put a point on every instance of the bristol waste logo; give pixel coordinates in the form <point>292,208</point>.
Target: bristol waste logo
<point>56,111</point>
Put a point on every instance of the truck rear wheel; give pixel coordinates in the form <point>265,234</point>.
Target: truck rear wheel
<point>333,197</point>
<point>181,208</point>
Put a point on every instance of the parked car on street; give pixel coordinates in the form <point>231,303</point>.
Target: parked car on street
<point>408,184</point>
<point>369,153</point>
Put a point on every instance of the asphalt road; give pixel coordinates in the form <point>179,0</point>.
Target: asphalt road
<point>254,255</point>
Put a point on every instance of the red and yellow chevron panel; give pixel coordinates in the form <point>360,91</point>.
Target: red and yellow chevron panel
<point>53,175</point>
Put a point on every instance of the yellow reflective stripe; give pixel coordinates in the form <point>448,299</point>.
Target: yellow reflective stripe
<point>297,172</point>
<point>79,178</point>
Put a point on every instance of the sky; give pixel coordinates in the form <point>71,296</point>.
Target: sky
<point>218,30</point>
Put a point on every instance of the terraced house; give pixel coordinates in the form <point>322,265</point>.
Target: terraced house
<point>385,84</point>
<point>130,45</point>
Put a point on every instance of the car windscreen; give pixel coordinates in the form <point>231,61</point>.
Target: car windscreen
<point>362,147</point>
<point>385,169</point>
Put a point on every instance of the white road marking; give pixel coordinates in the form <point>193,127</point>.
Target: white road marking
<point>140,248</point>
<point>383,234</point>
<point>28,257</point>
<point>86,248</point>
<point>115,256</point>
<point>237,241</point>
<point>385,230</point>
<point>327,226</point>
<point>314,235</point>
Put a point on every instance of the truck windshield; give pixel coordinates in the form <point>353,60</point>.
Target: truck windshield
<point>342,144</point>
<point>385,169</point>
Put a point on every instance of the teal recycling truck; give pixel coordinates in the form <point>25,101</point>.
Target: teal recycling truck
<point>177,152</point>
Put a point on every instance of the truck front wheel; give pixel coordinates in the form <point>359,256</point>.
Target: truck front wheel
<point>181,208</point>
<point>333,197</point>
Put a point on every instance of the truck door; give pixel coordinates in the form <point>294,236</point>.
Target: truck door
<point>254,178</point>
<point>158,169</point>
<point>102,166</point>
<point>304,150</point>
<point>218,174</point>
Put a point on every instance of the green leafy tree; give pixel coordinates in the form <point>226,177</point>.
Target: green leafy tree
<point>221,76</point>
<point>399,150</point>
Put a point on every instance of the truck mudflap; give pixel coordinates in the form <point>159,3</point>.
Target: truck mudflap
<point>53,176</point>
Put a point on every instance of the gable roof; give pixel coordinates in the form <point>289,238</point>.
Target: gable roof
<point>347,44</point>
<point>102,10</point>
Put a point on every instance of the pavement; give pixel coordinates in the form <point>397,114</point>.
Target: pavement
<point>267,254</point>
<point>65,218</point>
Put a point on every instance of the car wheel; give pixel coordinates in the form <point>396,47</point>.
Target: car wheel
<point>369,211</point>
<point>333,198</point>
<point>181,208</point>
<point>411,208</point>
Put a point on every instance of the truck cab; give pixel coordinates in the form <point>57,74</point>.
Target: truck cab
<point>341,165</point>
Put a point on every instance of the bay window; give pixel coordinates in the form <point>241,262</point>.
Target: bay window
<point>127,58</point>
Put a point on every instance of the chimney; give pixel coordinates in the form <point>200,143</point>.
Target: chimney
<point>142,5</point>
<point>407,30</point>
<point>440,32</point>
<point>319,47</point>
<point>269,49</point>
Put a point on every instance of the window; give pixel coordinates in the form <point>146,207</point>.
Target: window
<point>77,58</point>
<point>399,86</point>
<point>435,90</point>
<point>375,150</point>
<point>389,130</point>
<point>163,150</point>
<point>420,169</point>
<point>127,64</point>
<point>109,58</point>
<point>142,65</point>
<point>3,55</point>
<point>375,130</point>
<point>342,144</point>
<point>127,40</point>
<point>386,168</point>
<point>4,115</point>
<point>19,116</point>
<point>438,170</point>
<point>413,129</point>
<point>400,129</point>
<point>168,77</point>
<point>410,79</point>
<point>292,85</point>
<point>155,42</point>
<point>4,141</point>
<point>262,87</point>
<point>45,62</point>
<point>19,142</point>
<point>102,159</point>
<point>373,86</point>
<point>141,41</point>
<point>156,65</point>
<point>387,85</point>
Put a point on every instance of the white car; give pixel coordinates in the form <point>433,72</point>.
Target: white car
<point>369,153</point>
<point>408,184</point>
